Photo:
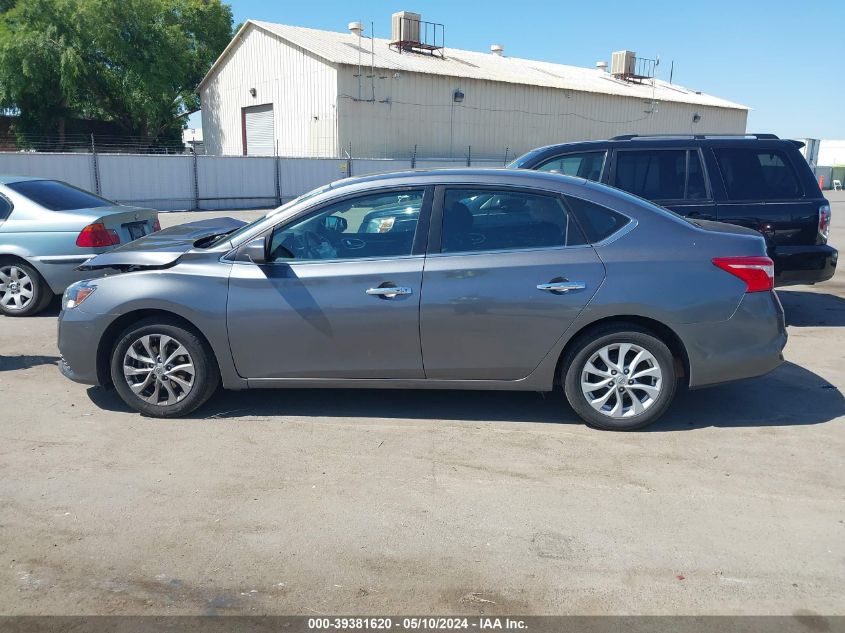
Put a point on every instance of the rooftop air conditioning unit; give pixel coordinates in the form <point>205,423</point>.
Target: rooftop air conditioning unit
<point>623,63</point>
<point>405,27</point>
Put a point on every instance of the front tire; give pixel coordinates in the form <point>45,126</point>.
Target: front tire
<point>619,378</point>
<point>162,369</point>
<point>23,291</point>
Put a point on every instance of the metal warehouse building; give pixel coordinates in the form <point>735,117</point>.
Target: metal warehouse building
<point>295,91</point>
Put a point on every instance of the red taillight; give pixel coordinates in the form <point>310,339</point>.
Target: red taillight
<point>97,236</point>
<point>156,225</point>
<point>824,221</point>
<point>758,273</point>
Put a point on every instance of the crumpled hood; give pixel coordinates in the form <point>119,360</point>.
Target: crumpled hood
<point>163,248</point>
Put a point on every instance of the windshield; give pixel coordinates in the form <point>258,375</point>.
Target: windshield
<point>247,227</point>
<point>522,160</point>
<point>58,196</point>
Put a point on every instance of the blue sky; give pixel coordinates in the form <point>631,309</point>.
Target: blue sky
<point>784,60</point>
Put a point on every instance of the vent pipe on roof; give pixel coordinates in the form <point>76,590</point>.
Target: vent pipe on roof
<point>602,66</point>
<point>497,49</point>
<point>356,28</point>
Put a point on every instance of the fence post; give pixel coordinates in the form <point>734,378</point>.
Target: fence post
<point>278,176</point>
<point>414,158</point>
<point>507,149</point>
<point>95,167</point>
<point>196,182</point>
<point>469,156</point>
<point>349,161</point>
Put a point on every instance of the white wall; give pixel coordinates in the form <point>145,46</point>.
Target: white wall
<point>302,89</point>
<point>76,169</point>
<point>831,152</point>
<point>418,109</point>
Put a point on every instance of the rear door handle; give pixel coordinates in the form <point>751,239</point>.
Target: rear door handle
<point>388,292</point>
<point>562,286</point>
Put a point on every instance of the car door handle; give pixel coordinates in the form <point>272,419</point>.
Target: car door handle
<point>388,292</point>
<point>562,286</point>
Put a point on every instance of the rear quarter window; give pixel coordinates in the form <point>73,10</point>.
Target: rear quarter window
<point>757,174</point>
<point>597,222</point>
<point>58,196</point>
<point>5,208</point>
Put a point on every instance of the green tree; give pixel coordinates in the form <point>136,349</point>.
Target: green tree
<point>133,62</point>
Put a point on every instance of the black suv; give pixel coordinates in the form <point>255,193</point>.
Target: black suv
<point>757,181</point>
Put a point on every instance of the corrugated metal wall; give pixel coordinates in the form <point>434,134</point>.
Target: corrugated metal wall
<point>302,89</point>
<point>494,117</point>
<point>154,181</point>
<point>76,169</point>
<point>169,183</point>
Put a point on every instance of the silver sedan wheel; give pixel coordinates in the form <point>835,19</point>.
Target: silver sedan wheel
<point>621,380</point>
<point>159,369</point>
<point>16,288</point>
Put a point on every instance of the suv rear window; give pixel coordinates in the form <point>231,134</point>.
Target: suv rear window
<point>755,174</point>
<point>58,196</point>
<point>660,174</point>
<point>598,222</point>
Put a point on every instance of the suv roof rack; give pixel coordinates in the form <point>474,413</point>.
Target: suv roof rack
<point>628,137</point>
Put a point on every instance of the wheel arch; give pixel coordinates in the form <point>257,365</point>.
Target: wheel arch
<point>662,331</point>
<point>120,324</point>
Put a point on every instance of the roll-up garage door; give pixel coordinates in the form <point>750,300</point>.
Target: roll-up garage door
<point>258,130</point>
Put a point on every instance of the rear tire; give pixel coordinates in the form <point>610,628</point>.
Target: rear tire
<point>619,378</point>
<point>23,291</point>
<point>162,369</point>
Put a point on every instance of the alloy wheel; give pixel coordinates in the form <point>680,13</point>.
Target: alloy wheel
<point>16,288</point>
<point>621,380</point>
<point>159,369</point>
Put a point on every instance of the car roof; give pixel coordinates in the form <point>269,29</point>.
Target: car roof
<point>452,175</point>
<point>6,179</point>
<point>671,140</point>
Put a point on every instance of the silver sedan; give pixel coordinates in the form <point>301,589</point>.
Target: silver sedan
<point>452,279</point>
<point>47,229</point>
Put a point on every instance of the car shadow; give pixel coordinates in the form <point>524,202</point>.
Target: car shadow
<point>810,309</point>
<point>789,396</point>
<point>14,363</point>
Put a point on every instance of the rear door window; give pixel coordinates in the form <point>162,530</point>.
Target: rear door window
<point>652,174</point>
<point>755,174</point>
<point>58,196</point>
<point>500,219</point>
<point>696,186</point>
<point>587,165</point>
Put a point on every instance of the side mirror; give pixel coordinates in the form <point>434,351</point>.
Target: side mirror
<point>256,251</point>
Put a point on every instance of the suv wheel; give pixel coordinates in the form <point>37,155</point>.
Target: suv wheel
<point>619,378</point>
<point>23,292</point>
<point>162,369</point>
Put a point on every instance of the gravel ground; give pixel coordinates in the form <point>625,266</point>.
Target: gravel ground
<point>318,502</point>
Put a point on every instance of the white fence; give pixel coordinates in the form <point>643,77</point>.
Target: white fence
<point>177,182</point>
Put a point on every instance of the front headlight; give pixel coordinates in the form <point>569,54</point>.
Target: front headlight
<point>77,293</point>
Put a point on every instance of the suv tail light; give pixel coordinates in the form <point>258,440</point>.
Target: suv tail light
<point>758,273</point>
<point>824,221</point>
<point>96,236</point>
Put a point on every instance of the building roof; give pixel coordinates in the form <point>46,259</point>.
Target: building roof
<point>342,48</point>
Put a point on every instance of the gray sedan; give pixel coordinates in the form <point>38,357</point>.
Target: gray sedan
<point>47,229</point>
<point>453,279</point>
